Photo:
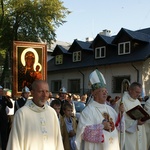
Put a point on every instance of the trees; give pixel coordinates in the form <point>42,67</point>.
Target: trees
<point>29,20</point>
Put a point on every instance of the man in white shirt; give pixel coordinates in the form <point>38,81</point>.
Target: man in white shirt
<point>10,111</point>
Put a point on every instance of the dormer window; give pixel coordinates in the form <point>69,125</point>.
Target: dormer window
<point>100,52</point>
<point>58,59</point>
<point>76,56</point>
<point>123,48</point>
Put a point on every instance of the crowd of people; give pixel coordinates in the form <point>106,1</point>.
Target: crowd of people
<point>45,122</point>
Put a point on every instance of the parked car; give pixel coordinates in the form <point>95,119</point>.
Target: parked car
<point>79,106</point>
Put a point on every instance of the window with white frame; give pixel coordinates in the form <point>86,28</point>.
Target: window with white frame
<point>58,59</point>
<point>100,52</point>
<point>124,48</point>
<point>76,56</point>
<point>55,86</point>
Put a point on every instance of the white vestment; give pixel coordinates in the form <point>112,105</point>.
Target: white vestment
<point>93,114</point>
<point>147,124</point>
<point>135,135</point>
<point>35,128</point>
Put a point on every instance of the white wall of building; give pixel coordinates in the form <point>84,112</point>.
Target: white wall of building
<point>108,71</point>
<point>146,76</point>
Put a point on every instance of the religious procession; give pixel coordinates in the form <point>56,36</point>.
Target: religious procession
<point>37,120</point>
<point>74,75</point>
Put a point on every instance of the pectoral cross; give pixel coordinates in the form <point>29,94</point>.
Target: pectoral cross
<point>110,140</point>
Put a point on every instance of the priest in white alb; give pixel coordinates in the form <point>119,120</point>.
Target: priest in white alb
<point>147,124</point>
<point>35,125</point>
<point>99,126</point>
<point>135,135</point>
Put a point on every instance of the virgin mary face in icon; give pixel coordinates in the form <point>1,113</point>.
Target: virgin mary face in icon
<point>29,59</point>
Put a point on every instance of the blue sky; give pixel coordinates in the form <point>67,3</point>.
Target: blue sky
<point>89,17</point>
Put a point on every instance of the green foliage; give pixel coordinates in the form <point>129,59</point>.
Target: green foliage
<point>29,20</point>
<point>2,57</point>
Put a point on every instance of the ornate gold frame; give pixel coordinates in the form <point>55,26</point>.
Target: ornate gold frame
<point>39,51</point>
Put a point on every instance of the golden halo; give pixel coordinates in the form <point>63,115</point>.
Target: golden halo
<point>27,50</point>
<point>38,65</point>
